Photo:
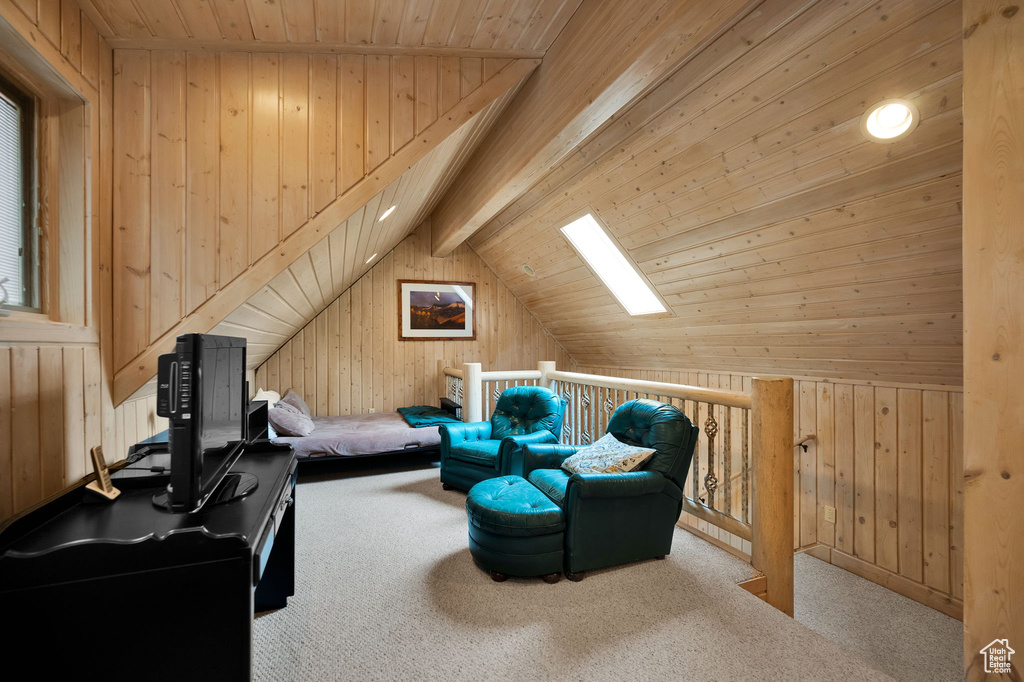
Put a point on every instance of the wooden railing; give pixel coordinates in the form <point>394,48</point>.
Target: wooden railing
<point>742,473</point>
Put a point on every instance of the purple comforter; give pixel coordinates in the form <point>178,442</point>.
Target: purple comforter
<point>361,434</point>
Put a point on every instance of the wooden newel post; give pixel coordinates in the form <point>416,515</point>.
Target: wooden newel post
<point>472,392</point>
<point>772,501</point>
<point>545,367</point>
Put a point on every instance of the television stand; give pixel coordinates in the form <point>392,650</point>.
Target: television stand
<point>166,596</point>
<point>233,486</point>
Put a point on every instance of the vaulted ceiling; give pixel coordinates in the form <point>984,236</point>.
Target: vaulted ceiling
<point>782,239</point>
<point>719,142</point>
<point>250,174</point>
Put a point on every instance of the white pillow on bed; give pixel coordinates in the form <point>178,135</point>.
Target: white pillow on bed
<point>270,396</point>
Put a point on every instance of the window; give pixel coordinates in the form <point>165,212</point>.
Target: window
<point>611,265</point>
<point>18,262</point>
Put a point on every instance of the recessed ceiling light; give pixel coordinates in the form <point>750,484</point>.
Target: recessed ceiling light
<point>529,271</point>
<point>370,259</point>
<point>890,120</point>
<point>387,213</point>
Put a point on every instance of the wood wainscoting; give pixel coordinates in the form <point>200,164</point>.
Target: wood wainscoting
<point>888,458</point>
<point>348,359</point>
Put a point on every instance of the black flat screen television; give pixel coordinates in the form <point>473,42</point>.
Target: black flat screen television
<point>201,389</point>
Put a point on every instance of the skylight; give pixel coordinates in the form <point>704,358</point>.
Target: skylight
<point>617,273</point>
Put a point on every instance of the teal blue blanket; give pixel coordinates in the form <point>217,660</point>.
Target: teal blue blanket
<point>419,416</point>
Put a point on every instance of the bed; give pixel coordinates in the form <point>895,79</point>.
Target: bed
<point>360,435</point>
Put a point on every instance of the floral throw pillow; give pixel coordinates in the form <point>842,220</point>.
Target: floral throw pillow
<point>607,456</point>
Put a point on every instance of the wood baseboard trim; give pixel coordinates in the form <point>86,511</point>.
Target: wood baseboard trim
<point>716,542</point>
<point>757,586</point>
<point>899,584</point>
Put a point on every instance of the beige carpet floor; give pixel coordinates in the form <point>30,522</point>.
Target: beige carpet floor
<point>386,590</point>
<point>889,632</point>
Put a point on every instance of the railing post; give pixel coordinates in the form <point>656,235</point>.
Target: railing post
<point>472,396</point>
<point>545,367</point>
<point>772,501</point>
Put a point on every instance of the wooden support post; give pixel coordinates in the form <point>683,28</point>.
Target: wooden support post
<point>772,501</point>
<point>472,395</point>
<point>993,243</point>
<point>545,367</point>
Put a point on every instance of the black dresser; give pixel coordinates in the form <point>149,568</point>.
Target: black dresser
<point>122,590</point>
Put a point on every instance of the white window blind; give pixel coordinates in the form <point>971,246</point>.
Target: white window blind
<point>12,194</point>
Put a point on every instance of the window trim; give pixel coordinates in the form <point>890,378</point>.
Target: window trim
<point>668,312</point>
<point>31,263</point>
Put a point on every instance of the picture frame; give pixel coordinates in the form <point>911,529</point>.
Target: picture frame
<point>432,310</point>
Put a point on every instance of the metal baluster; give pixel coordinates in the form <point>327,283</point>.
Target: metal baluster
<point>567,420</point>
<point>585,401</point>
<point>577,425</point>
<point>727,460</point>
<point>575,413</point>
<point>710,480</point>
<point>696,454</point>
<point>595,408</point>
<point>609,407</point>
<point>746,467</point>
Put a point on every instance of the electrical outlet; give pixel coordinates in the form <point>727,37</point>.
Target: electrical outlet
<point>830,514</point>
<point>374,409</point>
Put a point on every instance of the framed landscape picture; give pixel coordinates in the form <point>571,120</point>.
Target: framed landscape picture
<point>431,310</point>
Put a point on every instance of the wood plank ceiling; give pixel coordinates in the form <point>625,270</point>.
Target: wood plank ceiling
<point>783,240</point>
<point>288,302</point>
<point>523,28</point>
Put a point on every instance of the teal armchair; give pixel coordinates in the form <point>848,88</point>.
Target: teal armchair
<point>476,451</point>
<point>618,518</point>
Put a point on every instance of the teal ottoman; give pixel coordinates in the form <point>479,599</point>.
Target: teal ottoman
<point>514,529</point>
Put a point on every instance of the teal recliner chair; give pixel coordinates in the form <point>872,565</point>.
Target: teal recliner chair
<point>476,451</point>
<point>618,518</point>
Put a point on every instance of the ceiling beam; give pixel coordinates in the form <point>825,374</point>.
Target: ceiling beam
<point>608,55</point>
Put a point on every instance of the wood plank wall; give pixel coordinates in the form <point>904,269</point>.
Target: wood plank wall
<point>54,374</point>
<point>348,359</point>
<point>52,411</point>
<point>220,156</point>
<point>889,459</point>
